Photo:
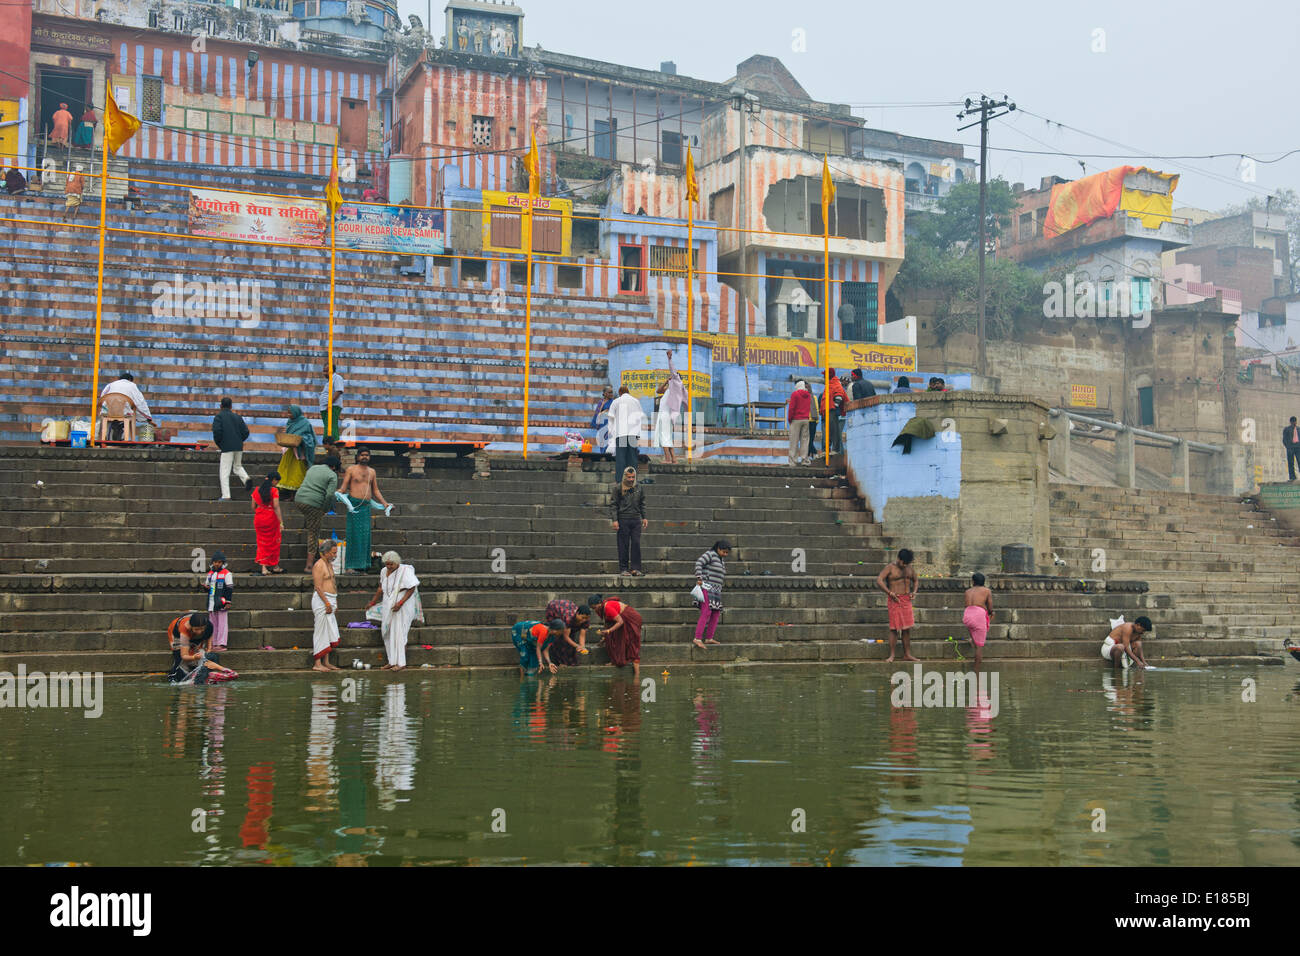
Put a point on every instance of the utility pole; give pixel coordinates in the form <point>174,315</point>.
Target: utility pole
<point>985,108</point>
<point>744,104</point>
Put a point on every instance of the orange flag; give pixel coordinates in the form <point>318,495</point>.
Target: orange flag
<point>534,168</point>
<point>828,192</point>
<point>118,126</point>
<point>692,187</point>
<point>332,194</point>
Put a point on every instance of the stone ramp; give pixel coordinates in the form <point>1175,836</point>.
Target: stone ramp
<point>96,561</point>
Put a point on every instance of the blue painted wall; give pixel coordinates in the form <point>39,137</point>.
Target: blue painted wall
<point>883,471</point>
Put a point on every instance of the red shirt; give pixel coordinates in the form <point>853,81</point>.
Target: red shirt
<point>836,391</point>
<point>612,610</point>
<point>539,633</point>
<point>799,406</point>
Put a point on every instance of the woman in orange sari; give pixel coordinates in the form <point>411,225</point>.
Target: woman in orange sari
<point>268,522</point>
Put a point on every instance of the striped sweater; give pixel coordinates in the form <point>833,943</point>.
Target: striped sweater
<point>711,569</point>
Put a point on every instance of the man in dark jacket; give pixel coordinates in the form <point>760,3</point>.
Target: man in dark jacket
<point>1291,442</point>
<point>627,516</point>
<point>229,433</point>
<point>861,387</point>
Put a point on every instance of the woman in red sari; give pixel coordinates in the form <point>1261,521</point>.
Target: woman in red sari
<point>268,522</point>
<point>622,633</point>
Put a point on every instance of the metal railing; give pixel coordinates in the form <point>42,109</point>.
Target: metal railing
<point>1141,432</point>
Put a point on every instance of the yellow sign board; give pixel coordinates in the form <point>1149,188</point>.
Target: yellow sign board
<point>503,223</point>
<point>644,383</point>
<point>799,353</point>
<point>1083,396</point>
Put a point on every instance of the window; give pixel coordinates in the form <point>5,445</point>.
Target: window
<point>151,100</point>
<point>473,269</point>
<point>859,311</point>
<point>670,151</point>
<point>671,262</point>
<point>506,228</point>
<point>1267,321</point>
<point>1042,218</point>
<point>548,232</point>
<point>1146,407</point>
<point>1026,226</point>
<point>603,144</point>
<point>352,123</point>
<point>482,132</point>
<point>210,27</point>
<point>1140,295</point>
<point>568,277</point>
<point>518,273</point>
<point>153,19</point>
<point>824,137</point>
<point>721,206</point>
<point>586,236</point>
<point>398,128</point>
<point>631,278</point>
<point>178,23</point>
<point>241,30</point>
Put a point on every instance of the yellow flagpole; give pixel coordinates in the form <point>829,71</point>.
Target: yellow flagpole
<point>690,327</point>
<point>329,373</point>
<point>826,324</point>
<point>99,289</point>
<point>534,189</point>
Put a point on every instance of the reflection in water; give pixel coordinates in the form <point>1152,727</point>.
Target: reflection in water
<point>261,794</point>
<point>710,772</point>
<point>395,763</point>
<point>322,774</point>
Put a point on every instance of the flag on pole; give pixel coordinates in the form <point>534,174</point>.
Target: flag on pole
<point>332,194</point>
<point>828,192</point>
<point>118,126</point>
<point>692,187</point>
<point>534,168</point>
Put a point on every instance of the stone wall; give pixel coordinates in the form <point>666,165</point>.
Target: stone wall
<point>1267,403</point>
<point>979,484</point>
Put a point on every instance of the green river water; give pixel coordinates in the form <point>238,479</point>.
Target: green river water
<point>749,766</point>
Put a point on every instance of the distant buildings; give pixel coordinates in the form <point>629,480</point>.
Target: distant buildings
<point>1109,229</point>
<point>1249,251</point>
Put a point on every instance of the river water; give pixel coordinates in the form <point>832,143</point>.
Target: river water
<point>748,766</point>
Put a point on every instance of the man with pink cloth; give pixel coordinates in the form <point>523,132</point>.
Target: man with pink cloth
<point>978,616</point>
<point>900,583</point>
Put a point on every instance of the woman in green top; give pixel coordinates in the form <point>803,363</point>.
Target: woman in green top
<point>295,461</point>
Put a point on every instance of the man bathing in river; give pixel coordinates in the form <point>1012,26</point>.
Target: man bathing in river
<point>1124,643</point>
<point>978,616</point>
<point>899,582</point>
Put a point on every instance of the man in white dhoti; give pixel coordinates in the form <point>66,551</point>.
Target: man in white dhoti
<point>324,604</point>
<point>399,594</point>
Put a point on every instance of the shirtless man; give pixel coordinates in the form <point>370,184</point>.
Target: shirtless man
<point>978,615</point>
<point>1124,643</point>
<point>324,604</point>
<point>359,489</point>
<point>899,582</point>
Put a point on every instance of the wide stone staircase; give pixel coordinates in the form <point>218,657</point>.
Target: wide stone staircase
<point>1225,557</point>
<point>421,361</point>
<point>101,546</point>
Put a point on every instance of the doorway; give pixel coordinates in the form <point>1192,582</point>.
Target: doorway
<point>62,86</point>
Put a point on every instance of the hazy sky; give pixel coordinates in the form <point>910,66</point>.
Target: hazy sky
<point>1173,79</point>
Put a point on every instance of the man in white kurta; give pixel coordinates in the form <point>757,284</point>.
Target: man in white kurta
<point>399,596</point>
